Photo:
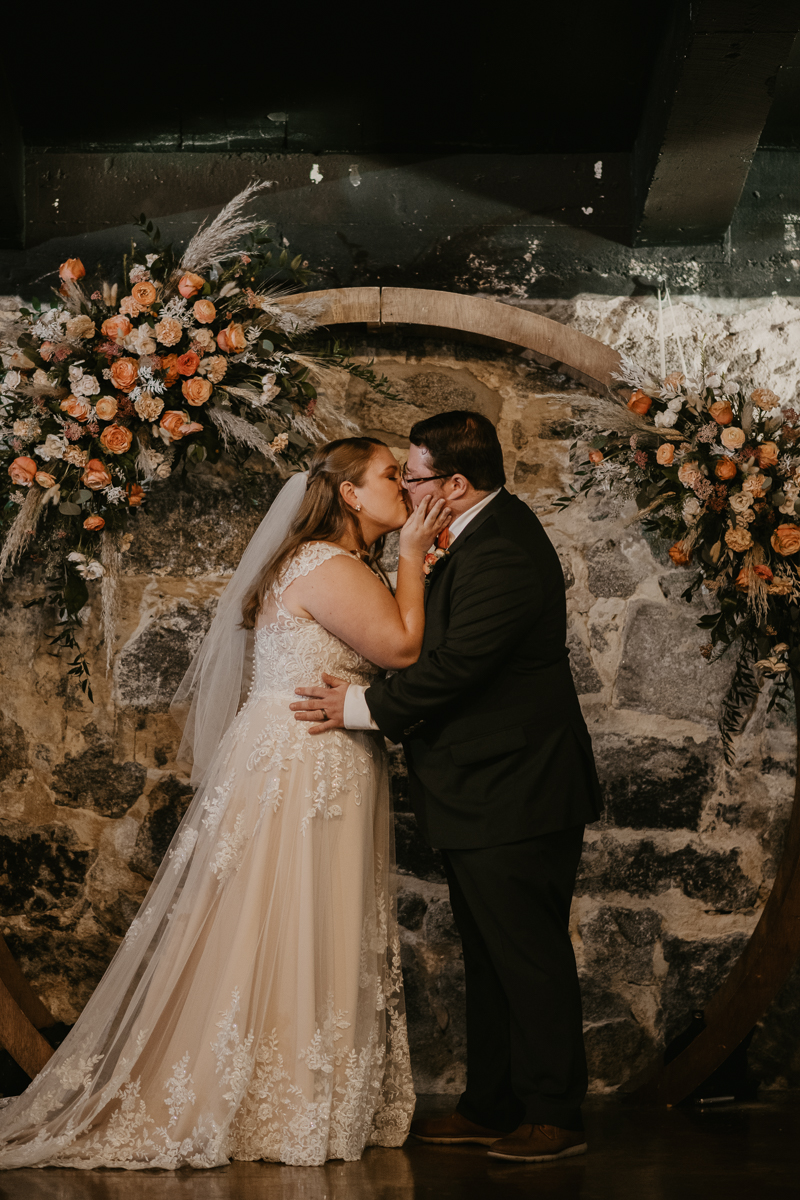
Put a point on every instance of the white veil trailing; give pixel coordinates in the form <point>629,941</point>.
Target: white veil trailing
<point>210,692</point>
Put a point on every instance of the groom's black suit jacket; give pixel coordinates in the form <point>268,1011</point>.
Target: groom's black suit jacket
<point>496,744</point>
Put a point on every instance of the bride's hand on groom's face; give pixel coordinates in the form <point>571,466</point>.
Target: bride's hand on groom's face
<point>325,706</point>
<point>424,524</point>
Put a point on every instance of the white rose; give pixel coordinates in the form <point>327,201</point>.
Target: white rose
<point>740,501</point>
<point>691,510</point>
<point>13,379</point>
<point>666,419</point>
<point>675,405</point>
<point>713,380</point>
<point>40,379</point>
<point>92,570</point>
<point>139,341</point>
<point>730,387</point>
<point>87,386</point>
<point>52,447</point>
<point>163,471</point>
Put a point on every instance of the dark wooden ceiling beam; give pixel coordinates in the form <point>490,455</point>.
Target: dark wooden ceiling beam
<point>709,98</point>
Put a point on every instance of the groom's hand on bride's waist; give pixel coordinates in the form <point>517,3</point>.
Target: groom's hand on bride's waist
<point>324,705</point>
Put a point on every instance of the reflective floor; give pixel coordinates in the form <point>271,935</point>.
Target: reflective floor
<point>748,1150</point>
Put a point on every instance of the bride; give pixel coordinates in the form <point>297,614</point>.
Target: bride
<point>255,1009</point>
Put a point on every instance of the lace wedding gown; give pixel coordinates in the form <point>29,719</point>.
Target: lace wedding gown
<point>255,1008</point>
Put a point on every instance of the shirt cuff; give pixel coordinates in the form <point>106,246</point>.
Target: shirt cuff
<point>356,709</point>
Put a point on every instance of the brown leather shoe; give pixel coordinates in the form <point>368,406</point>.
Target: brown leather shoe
<point>454,1128</point>
<point>539,1143</point>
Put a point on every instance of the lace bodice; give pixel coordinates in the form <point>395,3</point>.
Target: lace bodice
<point>294,651</point>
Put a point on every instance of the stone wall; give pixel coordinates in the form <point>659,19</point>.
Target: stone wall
<point>673,877</point>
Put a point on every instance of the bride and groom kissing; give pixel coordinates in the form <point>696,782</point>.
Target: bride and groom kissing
<point>255,1009</point>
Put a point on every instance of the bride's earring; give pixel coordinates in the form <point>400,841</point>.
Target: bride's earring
<point>358,508</point>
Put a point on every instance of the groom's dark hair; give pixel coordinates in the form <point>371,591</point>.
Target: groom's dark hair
<point>462,443</point>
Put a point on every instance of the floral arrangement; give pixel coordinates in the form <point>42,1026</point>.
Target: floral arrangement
<point>714,468</point>
<point>100,398</point>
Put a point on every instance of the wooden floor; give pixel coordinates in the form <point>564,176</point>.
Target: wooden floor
<point>749,1150</point>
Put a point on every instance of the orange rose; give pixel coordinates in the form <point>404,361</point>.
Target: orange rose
<point>72,269</point>
<point>733,437</point>
<point>665,454</point>
<point>116,328</point>
<point>188,363</point>
<point>725,469</point>
<point>94,524</point>
<point>767,454</point>
<point>45,479</point>
<point>95,475</point>
<point>721,412</point>
<point>786,539</point>
<point>76,408</point>
<point>640,402</point>
<point>177,424</point>
<point>135,494</point>
<point>764,573</point>
<point>124,374</point>
<point>169,363</point>
<point>204,311</point>
<point>106,408</point>
<point>198,390</point>
<point>595,457</point>
<point>116,439</point>
<point>679,555</point>
<point>190,285</point>
<point>23,470</point>
<point>143,293</point>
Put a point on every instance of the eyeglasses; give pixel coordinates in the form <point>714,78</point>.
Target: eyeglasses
<point>405,480</point>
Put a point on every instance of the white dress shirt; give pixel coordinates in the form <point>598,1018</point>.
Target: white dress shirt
<point>356,709</point>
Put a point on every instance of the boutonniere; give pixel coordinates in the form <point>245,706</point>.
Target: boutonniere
<point>440,550</point>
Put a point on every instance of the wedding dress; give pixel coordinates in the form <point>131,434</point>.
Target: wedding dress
<point>255,1008</point>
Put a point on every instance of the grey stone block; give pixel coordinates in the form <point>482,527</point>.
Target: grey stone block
<point>619,943</point>
<point>695,971</point>
<point>93,780</point>
<point>661,669</point>
<point>414,855</point>
<point>42,868</point>
<point>13,747</point>
<point>652,784</point>
<point>168,802</point>
<point>586,678</point>
<point>152,664</point>
<point>612,573</point>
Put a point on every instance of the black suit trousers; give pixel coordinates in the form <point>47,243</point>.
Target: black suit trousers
<point>525,1054</point>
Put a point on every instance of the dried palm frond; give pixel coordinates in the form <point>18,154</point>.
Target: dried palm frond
<point>606,415</point>
<point>236,429</point>
<point>22,527</point>
<point>147,460</point>
<point>292,319</point>
<point>210,245</point>
<point>74,296</point>
<point>110,557</point>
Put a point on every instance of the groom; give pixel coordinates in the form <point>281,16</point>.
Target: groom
<point>502,780</point>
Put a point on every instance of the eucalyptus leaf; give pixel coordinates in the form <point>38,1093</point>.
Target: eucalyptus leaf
<point>83,495</point>
<point>69,509</point>
<point>747,417</point>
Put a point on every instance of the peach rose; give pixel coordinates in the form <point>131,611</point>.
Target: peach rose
<point>76,407</point>
<point>116,328</point>
<point>595,457</point>
<point>23,471</point>
<point>724,468</point>
<point>129,307</point>
<point>72,269</point>
<point>639,402</point>
<point>135,494</point>
<point>204,311</point>
<point>124,374</point>
<point>767,454</point>
<point>665,454</point>
<point>721,412</point>
<point>679,555</point>
<point>169,363</point>
<point>197,390</point>
<point>94,523</point>
<point>168,331</point>
<point>96,476</point>
<point>143,294</point>
<point>674,380</point>
<point>688,472</point>
<point>45,479</point>
<point>764,398</point>
<point>178,425</point>
<point>786,539</point>
<point>116,439</point>
<point>739,540</point>
<point>190,285</point>
<point>755,485</point>
<point>106,408</point>
<point>188,363</point>
<point>215,367</point>
<point>149,407</point>
<point>733,437</point>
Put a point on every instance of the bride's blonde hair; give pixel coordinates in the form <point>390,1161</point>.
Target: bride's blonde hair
<point>323,515</point>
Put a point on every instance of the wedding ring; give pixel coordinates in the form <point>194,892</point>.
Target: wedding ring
<point>324,714</point>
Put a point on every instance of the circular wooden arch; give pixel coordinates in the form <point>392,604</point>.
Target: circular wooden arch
<point>772,950</point>
<point>775,942</point>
